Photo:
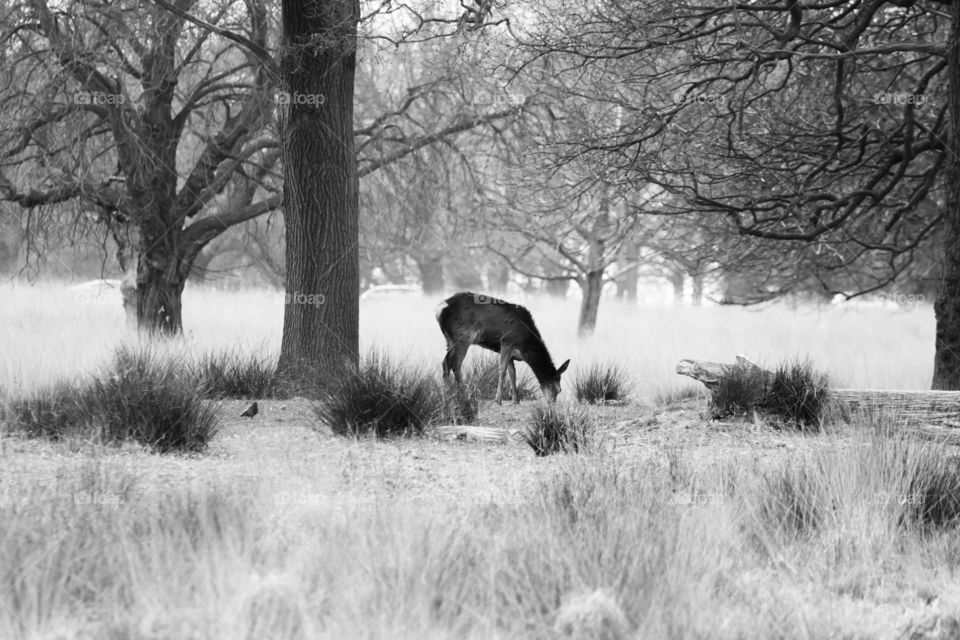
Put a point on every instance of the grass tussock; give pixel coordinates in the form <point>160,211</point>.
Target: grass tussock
<point>795,394</point>
<point>603,384</point>
<point>555,428</point>
<point>232,373</point>
<point>141,396</point>
<point>383,397</point>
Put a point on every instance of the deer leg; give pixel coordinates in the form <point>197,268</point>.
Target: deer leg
<point>512,372</point>
<point>454,359</point>
<point>505,361</point>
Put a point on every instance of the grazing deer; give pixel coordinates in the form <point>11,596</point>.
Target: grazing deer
<point>469,318</point>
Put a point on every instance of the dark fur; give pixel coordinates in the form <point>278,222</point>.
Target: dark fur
<point>467,318</point>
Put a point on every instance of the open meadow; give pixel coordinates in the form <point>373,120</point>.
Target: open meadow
<point>666,524</point>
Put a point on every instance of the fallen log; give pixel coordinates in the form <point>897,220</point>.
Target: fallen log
<point>932,409</point>
<point>473,432</point>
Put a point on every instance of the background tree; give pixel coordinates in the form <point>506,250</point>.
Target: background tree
<point>821,129</point>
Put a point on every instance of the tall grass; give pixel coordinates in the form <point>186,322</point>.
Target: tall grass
<point>597,546</point>
<point>49,335</point>
<point>142,396</point>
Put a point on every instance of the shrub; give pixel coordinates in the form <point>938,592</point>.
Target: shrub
<point>481,379</point>
<point>740,392</point>
<point>381,397</point>
<point>932,487</point>
<point>557,428</point>
<point>798,394</point>
<point>603,384</point>
<point>151,400</point>
<point>795,393</point>
<point>140,396</point>
<point>52,413</point>
<point>234,374</point>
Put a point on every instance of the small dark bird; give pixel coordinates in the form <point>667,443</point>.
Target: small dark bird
<point>251,411</point>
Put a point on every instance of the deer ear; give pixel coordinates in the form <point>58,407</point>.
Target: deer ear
<point>563,367</point>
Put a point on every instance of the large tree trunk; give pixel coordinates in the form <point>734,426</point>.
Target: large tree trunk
<point>946,359</point>
<point>322,313</point>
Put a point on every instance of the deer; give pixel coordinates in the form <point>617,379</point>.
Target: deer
<point>468,318</point>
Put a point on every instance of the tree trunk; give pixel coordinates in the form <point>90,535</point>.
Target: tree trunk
<point>676,280</point>
<point>322,311</point>
<point>631,276</point>
<point>590,304</point>
<point>697,298</point>
<point>431,275</point>
<point>946,359</point>
<point>593,279</point>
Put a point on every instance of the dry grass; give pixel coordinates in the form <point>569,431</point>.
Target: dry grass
<point>284,533</point>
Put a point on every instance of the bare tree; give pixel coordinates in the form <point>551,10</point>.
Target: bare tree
<point>823,129</point>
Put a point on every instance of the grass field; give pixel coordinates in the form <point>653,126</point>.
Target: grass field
<point>672,526</point>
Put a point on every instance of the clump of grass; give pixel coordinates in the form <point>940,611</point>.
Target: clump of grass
<point>382,397</point>
<point>150,399</point>
<point>741,392</point>
<point>603,384</point>
<point>931,481</point>
<point>141,397</point>
<point>558,429</point>
<point>795,393</point>
<point>51,412</point>
<point>481,378</point>
<point>793,500</point>
<point>234,374</point>
<point>798,394</point>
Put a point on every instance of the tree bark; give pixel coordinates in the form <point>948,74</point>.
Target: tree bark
<point>592,282</point>
<point>631,277</point>
<point>697,298</point>
<point>946,359</point>
<point>676,281</point>
<point>590,304</point>
<point>321,315</point>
